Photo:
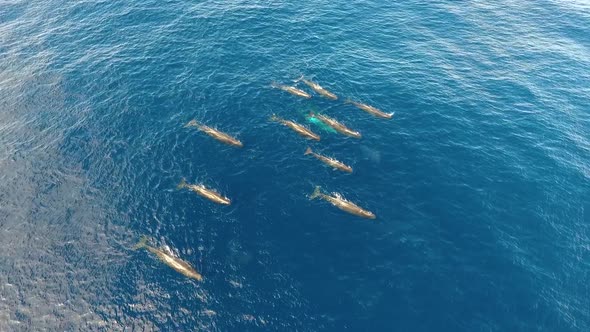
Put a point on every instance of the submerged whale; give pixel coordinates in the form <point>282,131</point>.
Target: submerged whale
<point>371,110</point>
<point>336,164</point>
<point>341,203</point>
<point>318,88</point>
<point>291,89</point>
<point>200,189</point>
<point>176,263</point>
<point>300,129</point>
<point>336,125</point>
<point>218,135</point>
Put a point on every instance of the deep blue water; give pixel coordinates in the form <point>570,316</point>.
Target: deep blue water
<point>480,182</point>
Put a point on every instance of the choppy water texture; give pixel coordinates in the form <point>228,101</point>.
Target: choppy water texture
<point>480,182</point>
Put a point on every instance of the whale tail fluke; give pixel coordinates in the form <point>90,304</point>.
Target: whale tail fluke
<point>274,117</point>
<point>299,79</point>
<point>142,243</point>
<point>308,151</point>
<point>182,184</point>
<point>316,193</point>
<point>192,123</point>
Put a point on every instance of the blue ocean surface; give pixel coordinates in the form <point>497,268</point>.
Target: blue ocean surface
<point>480,182</point>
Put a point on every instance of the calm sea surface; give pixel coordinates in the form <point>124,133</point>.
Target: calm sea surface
<point>480,182</point>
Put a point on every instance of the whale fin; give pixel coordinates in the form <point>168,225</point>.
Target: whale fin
<point>192,123</point>
<point>308,151</point>
<point>316,193</point>
<point>142,243</point>
<point>182,184</point>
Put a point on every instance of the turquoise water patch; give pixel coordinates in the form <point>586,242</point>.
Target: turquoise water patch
<point>315,121</point>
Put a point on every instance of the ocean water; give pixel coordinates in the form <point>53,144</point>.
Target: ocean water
<point>480,182</point>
